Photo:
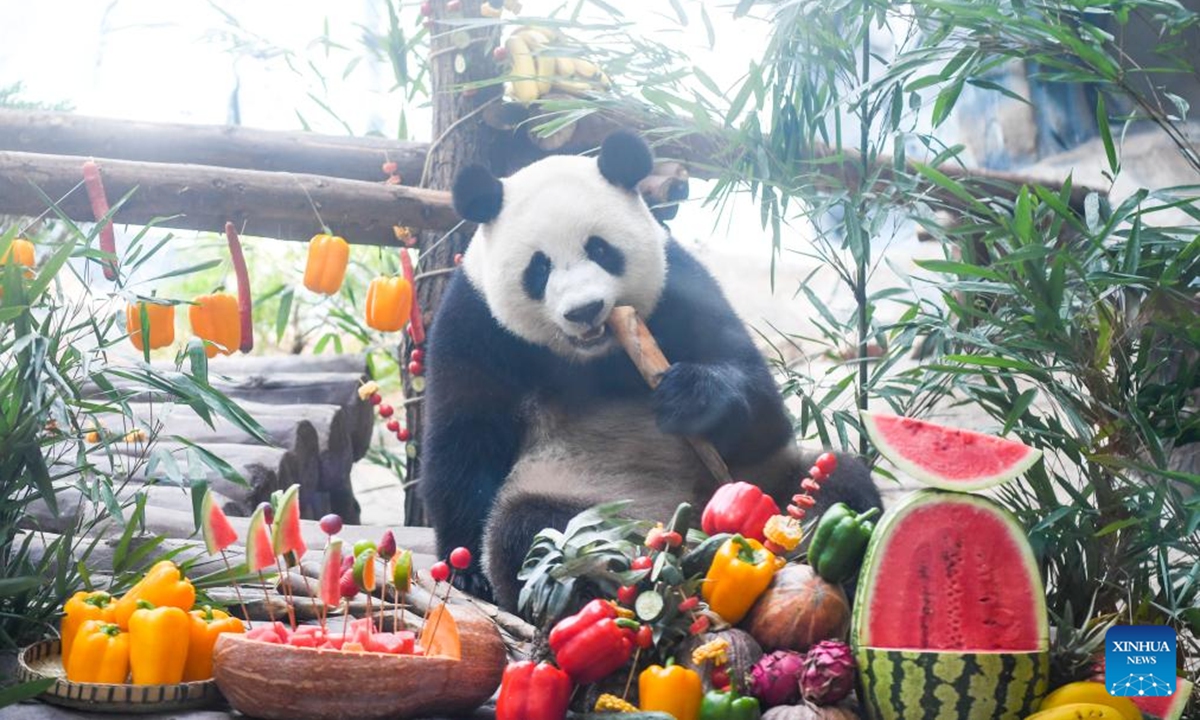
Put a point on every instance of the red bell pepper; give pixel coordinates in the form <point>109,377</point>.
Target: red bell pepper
<point>739,508</point>
<point>533,692</point>
<point>593,643</point>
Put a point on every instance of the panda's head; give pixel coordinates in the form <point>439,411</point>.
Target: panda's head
<point>564,241</point>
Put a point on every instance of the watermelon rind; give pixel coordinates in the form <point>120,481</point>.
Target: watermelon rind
<point>916,685</point>
<point>285,535</point>
<point>926,475</point>
<point>1166,708</point>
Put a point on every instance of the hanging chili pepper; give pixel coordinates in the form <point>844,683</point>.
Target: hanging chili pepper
<point>108,240</point>
<point>245,305</point>
<point>82,607</point>
<point>738,508</point>
<point>215,318</point>
<point>160,324</point>
<point>416,322</point>
<point>158,644</point>
<point>740,572</point>
<point>593,642</point>
<point>205,625</point>
<point>728,705</point>
<point>838,544</point>
<point>163,585</point>
<point>326,266</point>
<point>389,303</point>
<point>100,654</point>
<point>533,692</point>
<point>673,689</point>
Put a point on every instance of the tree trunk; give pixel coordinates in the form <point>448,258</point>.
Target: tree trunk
<point>458,140</point>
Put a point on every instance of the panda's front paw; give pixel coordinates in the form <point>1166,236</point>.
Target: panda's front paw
<point>704,400</point>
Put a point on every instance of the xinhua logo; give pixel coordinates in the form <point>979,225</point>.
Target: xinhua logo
<point>1140,660</point>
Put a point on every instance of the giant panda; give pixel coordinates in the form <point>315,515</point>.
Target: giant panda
<point>533,412</point>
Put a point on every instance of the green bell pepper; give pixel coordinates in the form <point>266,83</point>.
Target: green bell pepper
<point>728,705</point>
<point>841,537</point>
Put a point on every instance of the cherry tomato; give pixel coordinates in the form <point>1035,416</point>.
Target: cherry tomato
<point>645,637</point>
<point>403,434</point>
<point>626,594</point>
<point>460,558</point>
<point>417,355</point>
<point>386,411</point>
<point>827,462</point>
<point>393,425</point>
<point>641,562</point>
<point>440,572</point>
<point>376,398</point>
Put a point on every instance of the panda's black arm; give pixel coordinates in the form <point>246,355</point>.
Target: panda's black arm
<point>719,386</point>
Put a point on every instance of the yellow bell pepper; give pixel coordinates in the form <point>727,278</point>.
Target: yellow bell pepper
<point>158,644</point>
<point>740,572</point>
<point>326,266</point>
<point>163,585</point>
<point>206,625</point>
<point>674,690</point>
<point>99,654</point>
<point>389,303</point>
<point>159,316</point>
<point>216,318</point>
<point>83,606</point>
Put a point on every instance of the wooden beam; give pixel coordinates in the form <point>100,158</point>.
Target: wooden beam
<point>266,204</point>
<point>352,158</point>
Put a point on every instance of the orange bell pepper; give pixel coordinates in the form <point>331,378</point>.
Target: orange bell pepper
<point>389,302</point>
<point>100,654</point>
<point>206,625</point>
<point>674,690</point>
<point>158,644</point>
<point>19,251</point>
<point>161,320</point>
<point>326,266</point>
<point>163,585</point>
<point>215,318</point>
<point>83,606</point>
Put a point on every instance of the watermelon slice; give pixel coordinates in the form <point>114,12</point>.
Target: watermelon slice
<point>218,533</point>
<point>331,573</point>
<point>259,552</point>
<point>1168,707</point>
<point>286,536</point>
<point>950,613</point>
<point>944,457</point>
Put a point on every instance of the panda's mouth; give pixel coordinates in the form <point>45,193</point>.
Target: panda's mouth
<point>591,338</point>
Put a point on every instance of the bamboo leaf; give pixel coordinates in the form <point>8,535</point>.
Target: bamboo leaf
<point>284,314</point>
<point>1110,150</point>
<point>25,691</point>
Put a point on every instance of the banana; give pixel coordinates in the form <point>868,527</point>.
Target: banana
<point>586,68</point>
<point>545,74</point>
<point>572,87</point>
<point>537,38</point>
<point>565,67</point>
<point>525,88</point>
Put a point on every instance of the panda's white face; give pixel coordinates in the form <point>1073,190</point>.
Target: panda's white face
<point>566,248</point>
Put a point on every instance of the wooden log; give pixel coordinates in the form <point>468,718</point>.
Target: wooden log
<point>265,469</point>
<point>233,365</point>
<point>352,158</point>
<point>197,197</point>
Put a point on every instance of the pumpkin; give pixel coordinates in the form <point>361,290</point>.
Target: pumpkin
<point>798,610</point>
<point>743,652</point>
<point>282,682</point>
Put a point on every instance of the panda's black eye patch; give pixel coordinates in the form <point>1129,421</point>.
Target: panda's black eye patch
<point>605,255</point>
<point>537,273</point>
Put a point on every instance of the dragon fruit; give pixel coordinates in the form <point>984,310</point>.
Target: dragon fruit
<point>775,678</point>
<point>828,674</point>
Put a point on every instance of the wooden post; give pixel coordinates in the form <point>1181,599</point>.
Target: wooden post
<point>460,137</point>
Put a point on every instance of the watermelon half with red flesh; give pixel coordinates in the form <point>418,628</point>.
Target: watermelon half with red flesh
<point>945,457</point>
<point>1167,707</point>
<point>950,616</point>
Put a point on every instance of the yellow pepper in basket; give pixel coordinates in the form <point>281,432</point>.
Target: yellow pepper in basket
<point>162,586</point>
<point>206,625</point>
<point>82,606</point>
<point>158,644</point>
<point>99,654</point>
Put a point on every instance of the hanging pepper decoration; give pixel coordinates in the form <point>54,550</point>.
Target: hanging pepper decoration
<point>205,625</point>
<point>728,705</point>
<point>82,607</point>
<point>328,256</point>
<point>99,201</point>
<point>159,330</point>
<point>738,508</point>
<point>416,323</point>
<point>100,654</point>
<point>163,585</point>
<point>215,318</point>
<point>20,251</point>
<point>245,304</point>
<point>158,644</point>
<point>593,642</point>
<point>533,692</point>
<point>838,544</point>
<point>740,572</point>
<point>389,303</point>
<point>672,689</point>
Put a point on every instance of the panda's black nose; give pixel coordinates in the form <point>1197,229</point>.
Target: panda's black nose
<point>585,314</point>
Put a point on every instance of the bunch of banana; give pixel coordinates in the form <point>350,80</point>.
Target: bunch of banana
<point>536,72</point>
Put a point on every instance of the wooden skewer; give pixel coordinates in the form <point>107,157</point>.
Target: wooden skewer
<point>643,350</point>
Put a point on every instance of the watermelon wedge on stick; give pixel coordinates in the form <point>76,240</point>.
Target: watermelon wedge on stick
<point>945,457</point>
<point>286,536</point>
<point>218,535</point>
<point>259,552</point>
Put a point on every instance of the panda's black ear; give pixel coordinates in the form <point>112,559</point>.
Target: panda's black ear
<point>625,159</point>
<point>477,194</point>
